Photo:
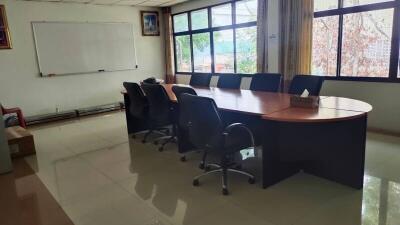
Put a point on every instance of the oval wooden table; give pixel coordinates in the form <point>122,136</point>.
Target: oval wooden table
<point>328,142</point>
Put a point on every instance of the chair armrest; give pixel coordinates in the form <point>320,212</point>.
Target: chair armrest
<point>241,127</point>
<point>11,110</point>
<point>19,113</point>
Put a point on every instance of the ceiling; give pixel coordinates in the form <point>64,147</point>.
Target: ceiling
<point>156,3</point>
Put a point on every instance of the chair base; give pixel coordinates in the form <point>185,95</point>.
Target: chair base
<point>160,131</point>
<point>224,172</point>
<point>168,139</point>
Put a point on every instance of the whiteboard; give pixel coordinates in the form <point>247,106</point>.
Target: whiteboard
<point>74,48</point>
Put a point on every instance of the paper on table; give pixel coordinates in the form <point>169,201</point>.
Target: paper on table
<point>305,94</point>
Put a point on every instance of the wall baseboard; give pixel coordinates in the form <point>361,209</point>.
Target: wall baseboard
<point>51,117</point>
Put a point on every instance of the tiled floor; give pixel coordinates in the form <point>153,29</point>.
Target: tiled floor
<point>99,177</point>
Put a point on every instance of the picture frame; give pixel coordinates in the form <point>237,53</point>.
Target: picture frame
<point>5,40</point>
<point>150,23</point>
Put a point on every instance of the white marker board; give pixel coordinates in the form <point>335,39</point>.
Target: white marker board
<point>74,48</point>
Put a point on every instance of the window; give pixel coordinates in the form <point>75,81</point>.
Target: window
<point>181,23</point>
<point>217,39</point>
<point>246,11</point>
<point>182,50</point>
<point>221,15</point>
<point>356,39</point>
<point>223,51</point>
<point>199,19</point>
<point>246,49</point>
<point>202,53</point>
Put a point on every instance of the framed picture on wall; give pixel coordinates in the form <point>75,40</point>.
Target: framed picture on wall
<point>5,41</point>
<point>150,23</point>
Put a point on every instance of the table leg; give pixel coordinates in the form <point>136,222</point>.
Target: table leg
<point>331,150</point>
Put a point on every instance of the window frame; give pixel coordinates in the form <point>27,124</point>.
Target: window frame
<point>211,31</point>
<point>395,42</point>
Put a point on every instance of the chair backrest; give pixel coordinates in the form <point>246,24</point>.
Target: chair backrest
<point>301,82</point>
<point>270,82</point>
<point>205,126</point>
<point>178,90</point>
<point>138,105</point>
<point>231,81</point>
<point>200,80</point>
<point>182,117</point>
<point>159,103</point>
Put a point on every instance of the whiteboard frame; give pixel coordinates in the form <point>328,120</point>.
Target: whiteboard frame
<point>77,22</point>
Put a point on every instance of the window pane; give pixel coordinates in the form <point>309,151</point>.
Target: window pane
<point>325,42</point>
<point>221,15</point>
<point>183,57</point>
<point>223,51</point>
<point>181,23</point>
<point>199,19</point>
<point>366,43</point>
<point>349,3</point>
<point>321,5</point>
<point>246,11</point>
<point>246,45</point>
<point>201,52</point>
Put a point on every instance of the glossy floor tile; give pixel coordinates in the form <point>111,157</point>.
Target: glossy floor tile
<point>24,200</point>
<point>100,176</point>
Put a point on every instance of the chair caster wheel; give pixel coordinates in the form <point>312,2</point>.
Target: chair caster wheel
<point>160,149</point>
<point>196,183</point>
<point>225,191</point>
<point>201,166</point>
<point>252,180</point>
<point>183,159</point>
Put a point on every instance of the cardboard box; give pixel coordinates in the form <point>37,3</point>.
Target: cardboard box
<point>20,141</point>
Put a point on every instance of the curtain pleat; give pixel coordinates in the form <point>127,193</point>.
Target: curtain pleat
<point>262,36</point>
<point>169,47</point>
<point>296,19</point>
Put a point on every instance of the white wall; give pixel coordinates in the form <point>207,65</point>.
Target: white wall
<point>382,96</point>
<point>20,84</point>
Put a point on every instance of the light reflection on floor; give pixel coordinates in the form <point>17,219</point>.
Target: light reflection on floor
<point>100,177</point>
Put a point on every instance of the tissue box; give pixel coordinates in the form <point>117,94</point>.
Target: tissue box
<point>304,102</point>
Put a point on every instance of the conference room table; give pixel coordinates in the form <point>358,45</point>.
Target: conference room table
<point>328,141</point>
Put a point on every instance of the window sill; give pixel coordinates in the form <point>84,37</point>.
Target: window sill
<point>365,79</point>
<point>214,74</point>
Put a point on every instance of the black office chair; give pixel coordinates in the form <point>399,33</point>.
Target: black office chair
<point>200,80</point>
<point>301,82</point>
<point>160,111</point>
<point>270,82</point>
<point>138,105</point>
<point>181,118</point>
<point>231,81</point>
<point>207,131</point>
<point>139,108</point>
